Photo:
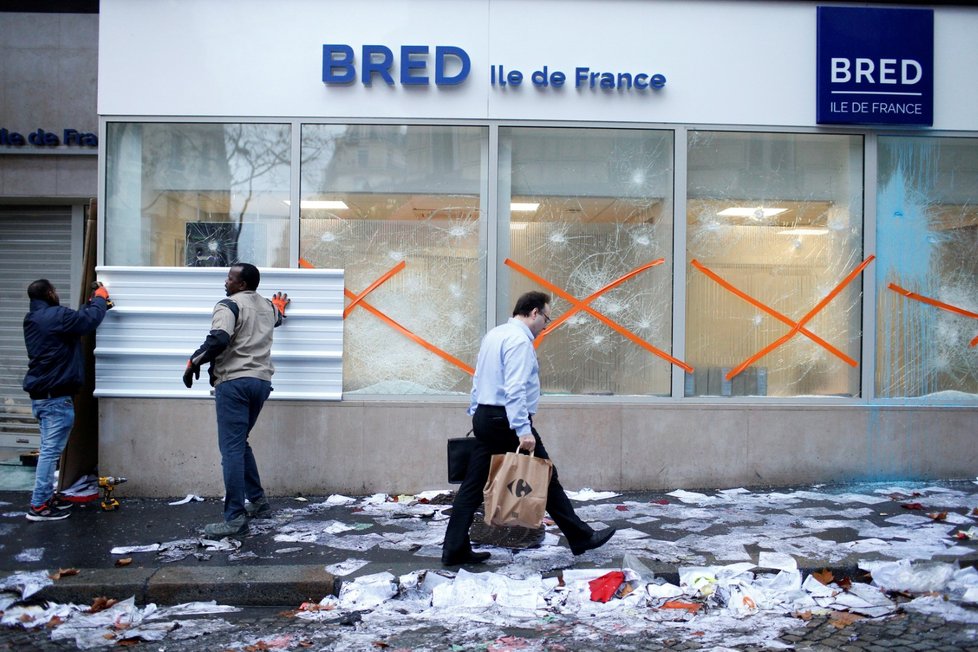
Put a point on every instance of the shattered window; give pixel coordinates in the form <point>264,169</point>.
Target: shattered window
<point>579,211</point>
<point>197,195</point>
<point>401,209</point>
<point>926,239</point>
<point>774,230</point>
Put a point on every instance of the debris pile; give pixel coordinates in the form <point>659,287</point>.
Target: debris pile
<point>106,621</point>
<point>723,567</point>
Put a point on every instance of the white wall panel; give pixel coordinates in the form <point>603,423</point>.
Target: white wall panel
<point>750,63</point>
<point>162,314</point>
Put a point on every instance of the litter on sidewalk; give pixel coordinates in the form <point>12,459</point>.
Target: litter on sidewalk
<point>735,556</point>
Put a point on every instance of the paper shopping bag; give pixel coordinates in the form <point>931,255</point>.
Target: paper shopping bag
<point>516,491</point>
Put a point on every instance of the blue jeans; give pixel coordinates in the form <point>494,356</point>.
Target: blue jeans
<point>56,416</point>
<point>239,403</point>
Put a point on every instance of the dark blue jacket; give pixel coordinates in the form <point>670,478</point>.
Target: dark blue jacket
<point>53,338</point>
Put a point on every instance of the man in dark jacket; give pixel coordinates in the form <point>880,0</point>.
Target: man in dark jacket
<point>55,373</point>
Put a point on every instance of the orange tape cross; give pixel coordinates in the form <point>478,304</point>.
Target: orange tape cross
<point>937,304</point>
<point>579,304</point>
<point>771,311</point>
<point>359,300</point>
<point>800,324</point>
<point>588,299</point>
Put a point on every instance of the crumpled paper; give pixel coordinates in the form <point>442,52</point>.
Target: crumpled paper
<point>190,498</point>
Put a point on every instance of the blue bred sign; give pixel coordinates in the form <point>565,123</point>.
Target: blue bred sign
<point>875,66</point>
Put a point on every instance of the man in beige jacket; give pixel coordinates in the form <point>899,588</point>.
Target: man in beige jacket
<point>239,349</point>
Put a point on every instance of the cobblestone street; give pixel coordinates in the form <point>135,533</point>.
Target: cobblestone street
<point>267,628</point>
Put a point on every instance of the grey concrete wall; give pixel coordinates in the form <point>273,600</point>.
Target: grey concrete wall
<point>169,447</point>
<point>48,80</point>
<point>48,176</point>
<point>49,72</point>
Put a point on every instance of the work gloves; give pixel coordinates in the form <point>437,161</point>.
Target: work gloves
<point>192,371</point>
<point>280,300</point>
<point>101,291</point>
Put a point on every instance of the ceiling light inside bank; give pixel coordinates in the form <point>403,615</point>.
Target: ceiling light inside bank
<point>755,212</point>
<point>323,204</point>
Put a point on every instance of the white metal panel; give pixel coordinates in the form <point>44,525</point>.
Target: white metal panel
<point>162,314</point>
<point>749,63</point>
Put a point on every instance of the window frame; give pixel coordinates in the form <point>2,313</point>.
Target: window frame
<point>491,237</point>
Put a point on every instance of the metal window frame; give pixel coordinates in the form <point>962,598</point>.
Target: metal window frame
<point>491,235</point>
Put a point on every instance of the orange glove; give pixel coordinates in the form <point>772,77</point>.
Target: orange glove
<point>101,291</point>
<point>280,300</point>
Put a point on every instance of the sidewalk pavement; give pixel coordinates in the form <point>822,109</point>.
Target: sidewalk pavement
<point>156,552</point>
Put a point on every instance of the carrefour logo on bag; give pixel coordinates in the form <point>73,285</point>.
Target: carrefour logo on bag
<point>412,66</point>
<point>520,488</point>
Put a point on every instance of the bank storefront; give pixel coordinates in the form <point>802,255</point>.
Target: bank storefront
<point>759,231</point>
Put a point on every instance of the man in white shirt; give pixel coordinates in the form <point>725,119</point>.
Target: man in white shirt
<point>505,395</point>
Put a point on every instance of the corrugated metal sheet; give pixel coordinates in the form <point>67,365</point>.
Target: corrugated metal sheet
<point>35,242</point>
<point>162,314</point>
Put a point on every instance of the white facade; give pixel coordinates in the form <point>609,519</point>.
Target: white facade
<point>727,63</point>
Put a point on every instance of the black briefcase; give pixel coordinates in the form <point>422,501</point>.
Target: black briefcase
<point>459,451</point>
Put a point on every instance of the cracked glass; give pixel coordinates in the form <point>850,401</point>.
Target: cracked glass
<point>580,209</point>
<point>927,236</point>
<point>778,218</point>
<point>197,195</point>
<point>405,203</point>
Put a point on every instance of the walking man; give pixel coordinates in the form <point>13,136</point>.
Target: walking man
<point>55,373</point>
<point>239,349</point>
<point>505,394</point>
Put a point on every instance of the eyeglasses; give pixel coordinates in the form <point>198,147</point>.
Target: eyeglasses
<point>546,318</point>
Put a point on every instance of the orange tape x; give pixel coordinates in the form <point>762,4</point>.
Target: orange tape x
<point>579,304</point>
<point>800,324</point>
<point>359,300</point>
<point>771,311</point>
<point>938,304</point>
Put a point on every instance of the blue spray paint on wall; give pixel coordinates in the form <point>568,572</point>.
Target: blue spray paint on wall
<point>927,239</point>
<point>906,247</point>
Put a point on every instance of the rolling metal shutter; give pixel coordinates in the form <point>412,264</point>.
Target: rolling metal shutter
<point>35,242</point>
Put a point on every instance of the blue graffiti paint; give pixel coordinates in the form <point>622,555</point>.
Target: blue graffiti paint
<point>907,248</point>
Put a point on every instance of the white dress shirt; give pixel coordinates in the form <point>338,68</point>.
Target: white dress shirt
<point>507,374</point>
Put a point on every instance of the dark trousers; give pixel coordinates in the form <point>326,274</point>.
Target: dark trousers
<point>239,403</point>
<point>493,436</point>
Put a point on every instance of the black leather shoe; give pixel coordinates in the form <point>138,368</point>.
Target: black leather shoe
<point>596,540</point>
<point>469,557</point>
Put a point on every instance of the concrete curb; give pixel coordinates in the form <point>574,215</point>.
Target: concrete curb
<point>258,586</point>
<point>264,586</point>
<point>242,586</point>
